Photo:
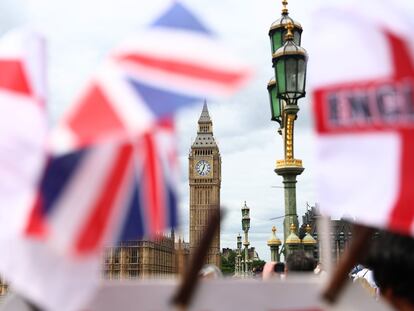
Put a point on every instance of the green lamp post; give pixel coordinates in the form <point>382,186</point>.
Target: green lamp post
<point>238,256</point>
<point>289,61</point>
<point>246,226</point>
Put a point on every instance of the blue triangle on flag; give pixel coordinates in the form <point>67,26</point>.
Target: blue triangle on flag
<point>160,101</point>
<point>177,16</point>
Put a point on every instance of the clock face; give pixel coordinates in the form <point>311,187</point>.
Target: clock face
<point>203,168</point>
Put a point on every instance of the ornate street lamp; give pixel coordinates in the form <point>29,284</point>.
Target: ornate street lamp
<point>290,62</point>
<point>277,34</point>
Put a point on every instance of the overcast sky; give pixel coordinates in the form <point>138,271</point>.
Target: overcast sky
<point>80,33</point>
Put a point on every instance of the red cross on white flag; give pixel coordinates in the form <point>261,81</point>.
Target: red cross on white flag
<point>362,77</point>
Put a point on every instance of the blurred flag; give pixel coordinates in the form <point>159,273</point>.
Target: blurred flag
<point>111,174</point>
<point>31,267</point>
<point>22,125</point>
<point>362,77</point>
<point>111,136</point>
<point>111,192</point>
<point>176,61</point>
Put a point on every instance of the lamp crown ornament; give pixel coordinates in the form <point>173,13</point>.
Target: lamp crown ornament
<point>308,239</point>
<point>292,238</point>
<point>274,240</point>
<point>285,9</point>
<point>289,34</point>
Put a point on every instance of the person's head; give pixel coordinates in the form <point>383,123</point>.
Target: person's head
<point>299,261</point>
<point>391,258</point>
<point>258,271</point>
<point>210,271</point>
<point>279,267</point>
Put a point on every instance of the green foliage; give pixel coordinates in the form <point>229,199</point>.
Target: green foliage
<point>227,263</point>
<point>258,263</point>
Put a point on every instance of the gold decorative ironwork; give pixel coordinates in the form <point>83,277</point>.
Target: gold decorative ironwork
<point>289,27</point>
<point>288,163</point>
<point>290,119</point>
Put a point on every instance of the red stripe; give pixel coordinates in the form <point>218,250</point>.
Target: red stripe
<point>166,123</point>
<point>402,215</point>
<point>91,236</point>
<point>153,186</point>
<point>401,56</point>
<point>36,225</point>
<point>319,104</point>
<point>13,77</point>
<point>195,71</point>
<point>94,118</point>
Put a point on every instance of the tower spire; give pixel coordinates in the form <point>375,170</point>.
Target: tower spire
<point>205,115</point>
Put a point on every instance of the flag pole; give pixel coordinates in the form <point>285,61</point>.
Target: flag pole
<point>185,292</point>
<point>357,249</point>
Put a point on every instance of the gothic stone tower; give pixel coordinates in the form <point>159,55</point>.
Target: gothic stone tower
<point>205,181</point>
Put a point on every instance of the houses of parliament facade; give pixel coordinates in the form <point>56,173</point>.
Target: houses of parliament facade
<point>164,256</point>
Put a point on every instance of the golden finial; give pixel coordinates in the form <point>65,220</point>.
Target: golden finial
<point>274,240</point>
<point>289,27</point>
<point>308,229</point>
<point>285,9</point>
<point>292,227</point>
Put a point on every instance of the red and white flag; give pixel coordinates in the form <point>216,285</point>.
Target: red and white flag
<point>22,125</point>
<point>31,267</point>
<point>362,78</point>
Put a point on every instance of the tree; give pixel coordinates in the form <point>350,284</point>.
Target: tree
<point>258,263</point>
<point>227,263</point>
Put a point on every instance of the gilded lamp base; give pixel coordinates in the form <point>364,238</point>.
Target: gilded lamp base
<point>289,166</point>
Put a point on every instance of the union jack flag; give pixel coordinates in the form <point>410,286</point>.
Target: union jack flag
<point>175,62</point>
<point>111,192</point>
<point>116,178</point>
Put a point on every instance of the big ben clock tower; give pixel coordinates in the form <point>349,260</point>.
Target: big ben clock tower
<point>205,181</point>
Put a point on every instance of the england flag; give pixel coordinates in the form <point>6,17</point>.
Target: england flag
<point>362,76</point>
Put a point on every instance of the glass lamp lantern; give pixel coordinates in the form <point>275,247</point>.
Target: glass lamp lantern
<point>289,62</point>
<point>245,217</point>
<point>239,241</point>
<point>277,31</point>
<point>275,101</point>
<point>246,223</point>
